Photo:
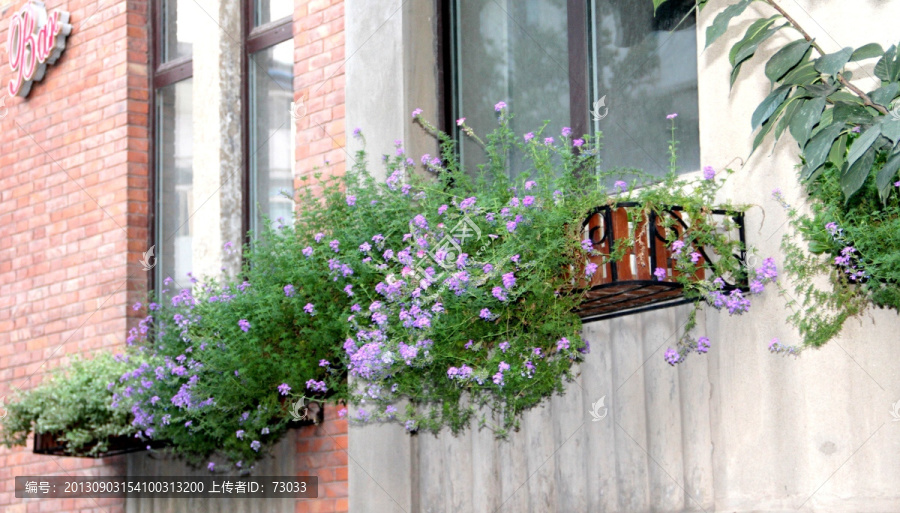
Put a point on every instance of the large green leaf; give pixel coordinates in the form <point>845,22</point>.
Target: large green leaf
<point>656,4</point>
<point>885,178</point>
<point>838,150</point>
<point>844,96</point>
<point>821,89</point>
<point>803,74</point>
<point>869,51</point>
<point>793,105</point>
<point>816,151</point>
<point>805,119</point>
<point>832,63</point>
<point>786,58</point>
<point>734,73</point>
<point>758,32</point>
<point>720,24</point>
<point>890,128</point>
<point>768,106</point>
<point>861,145</point>
<point>884,95</point>
<point>852,113</point>
<point>856,174</point>
<point>888,68</point>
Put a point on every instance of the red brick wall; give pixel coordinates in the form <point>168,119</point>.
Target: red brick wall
<point>73,214</point>
<point>319,84</point>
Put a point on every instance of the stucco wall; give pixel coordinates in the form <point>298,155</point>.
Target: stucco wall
<point>737,430</point>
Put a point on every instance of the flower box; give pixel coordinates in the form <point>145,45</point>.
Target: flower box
<point>628,285</point>
<point>49,443</point>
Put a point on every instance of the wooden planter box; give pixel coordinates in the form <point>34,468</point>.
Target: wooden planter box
<point>628,286</point>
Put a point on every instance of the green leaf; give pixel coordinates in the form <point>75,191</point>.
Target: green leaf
<point>786,58</point>
<point>734,74</point>
<point>884,95</point>
<point>832,63</point>
<point>794,104</point>
<point>838,150</point>
<point>803,74</point>
<point>868,51</point>
<point>844,96</point>
<point>758,32</point>
<point>720,24</point>
<point>805,119</point>
<point>852,113</point>
<point>822,89</point>
<point>884,180</point>
<point>656,4</point>
<point>818,148</point>
<point>769,105</point>
<point>861,145</point>
<point>890,128</point>
<point>856,174</point>
<point>766,128</point>
<point>888,68</point>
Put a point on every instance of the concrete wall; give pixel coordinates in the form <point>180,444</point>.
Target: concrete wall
<point>737,430</point>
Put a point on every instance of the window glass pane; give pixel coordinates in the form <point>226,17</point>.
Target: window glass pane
<point>271,94</point>
<point>267,11</point>
<point>178,28</point>
<point>514,51</point>
<point>175,202</point>
<point>646,71</point>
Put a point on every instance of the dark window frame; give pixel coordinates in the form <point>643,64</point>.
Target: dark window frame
<point>162,74</point>
<point>579,78</point>
<point>256,38</point>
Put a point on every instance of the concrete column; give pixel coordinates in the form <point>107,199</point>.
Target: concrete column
<point>218,156</point>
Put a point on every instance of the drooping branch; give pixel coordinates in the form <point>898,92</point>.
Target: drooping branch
<point>846,83</point>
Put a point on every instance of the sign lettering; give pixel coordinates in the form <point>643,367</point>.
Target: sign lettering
<point>35,40</point>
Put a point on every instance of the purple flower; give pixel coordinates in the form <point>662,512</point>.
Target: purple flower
<point>672,116</point>
<point>487,268</point>
<point>514,259</point>
<point>239,433</point>
<point>503,347</point>
<point>897,183</point>
<point>548,141</point>
<point>319,237</point>
<point>485,314</point>
<point>672,356</point>
<point>578,143</point>
<point>702,345</point>
<point>137,306</point>
<point>500,106</point>
<point>255,445</point>
<point>211,466</point>
<point>316,386</point>
<point>498,379</point>
<point>289,290</point>
<point>562,344</point>
<point>467,203</point>
<point>503,367</point>
<point>695,257</point>
<point>511,226</point>
<point>442,209</point>
<point>335,245</point>
<point>416,113</point>
<point>709,173</point>
<point>530,185</point>
<point>244,324</point>
<point>768,271</point>
<point>620,185</point>
<point>351,200</point>
<point>660,273</point>
<point>509,280</point>
<point>357,132</point>
<point>310,309</point>
<point>308,251</point>
<point>677,246</point>
<point>590,269</point>
<point>460,121</point>
<point>587,245</point>
<point>284,388</point>
<point>529,136</point>
<point>537,352</point>
<point>756,287</point>
<point>348,290</point>
<point>498,293</point>
<point>528,201</point>
<point>566,131</point>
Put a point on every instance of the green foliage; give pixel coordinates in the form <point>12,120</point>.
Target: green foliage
<point>74,404</point>
<point>850,151</point>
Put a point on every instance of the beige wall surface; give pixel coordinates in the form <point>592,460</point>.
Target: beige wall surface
<point>736,430</point>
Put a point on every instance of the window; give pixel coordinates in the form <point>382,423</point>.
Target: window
<point>549,60</point>
<point>270,92</point>
<point>173,140</point>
